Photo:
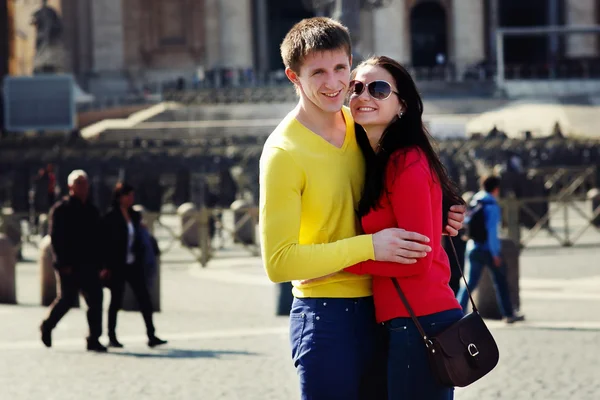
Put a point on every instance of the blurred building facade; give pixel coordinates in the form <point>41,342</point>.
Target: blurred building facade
<point>121,46</point>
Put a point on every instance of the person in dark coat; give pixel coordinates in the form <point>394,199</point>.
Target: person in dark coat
<point>124,258</point>
<point>75,233</point>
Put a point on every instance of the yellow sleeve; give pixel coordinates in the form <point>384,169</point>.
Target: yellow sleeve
<point>281,183</point>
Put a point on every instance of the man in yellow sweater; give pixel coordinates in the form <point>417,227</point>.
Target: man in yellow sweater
<point>311,179</point>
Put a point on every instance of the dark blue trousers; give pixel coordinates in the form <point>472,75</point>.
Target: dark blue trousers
<point>475,260</point>
<point>338,349</point>
<point>409,373</point>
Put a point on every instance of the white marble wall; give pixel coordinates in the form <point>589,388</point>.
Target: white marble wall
<point>391,31</point>
<point>581,12</point>
<point>107,35</point>
<point>235,20</point>
<point>366,47</point>
<point>212,33</point>
<point>468,39</point>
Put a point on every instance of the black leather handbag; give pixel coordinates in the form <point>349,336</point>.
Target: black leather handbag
<point>462,353</point>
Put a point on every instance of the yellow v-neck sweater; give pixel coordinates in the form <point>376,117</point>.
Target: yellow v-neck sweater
<point>309,191</point>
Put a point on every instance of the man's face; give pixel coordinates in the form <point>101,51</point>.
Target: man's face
<point>80,188</point>
<point>323,79</point>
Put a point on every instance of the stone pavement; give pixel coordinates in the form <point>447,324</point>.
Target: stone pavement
<point>225,342</point>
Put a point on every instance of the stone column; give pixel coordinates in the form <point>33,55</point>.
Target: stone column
<point>391,32</point>
<point>494,18</point>
<point>235,33</point>
<point>107,35</point>
<point>6,38</point>
<point>367,40</point>
<point>82,44</point>
<point>581,12</point>
<point>212,33</point>
<point>553,39</point>
<point>262,20</point>
<point>468,34</point>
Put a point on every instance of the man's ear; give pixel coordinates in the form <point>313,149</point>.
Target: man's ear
<point>292,76</point>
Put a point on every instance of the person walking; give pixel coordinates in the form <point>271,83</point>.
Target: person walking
<point>75,237</point>
<point>485,251</point>
<point>124,259</point>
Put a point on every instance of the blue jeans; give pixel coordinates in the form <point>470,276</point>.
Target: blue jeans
<point>338,349</point>
<point>409,373</point>
<point>475,260</point>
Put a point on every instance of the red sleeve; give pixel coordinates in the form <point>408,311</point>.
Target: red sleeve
<point>410,199</point>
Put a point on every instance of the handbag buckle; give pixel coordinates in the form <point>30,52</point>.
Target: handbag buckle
<point>472,349</point>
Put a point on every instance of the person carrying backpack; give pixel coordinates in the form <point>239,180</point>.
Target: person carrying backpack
<point>483,248</point>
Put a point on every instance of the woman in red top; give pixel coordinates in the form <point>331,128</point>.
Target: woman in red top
<point>405,186</point>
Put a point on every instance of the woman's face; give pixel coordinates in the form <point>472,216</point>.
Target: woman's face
<point>127,200</point>
<point>369,112</point>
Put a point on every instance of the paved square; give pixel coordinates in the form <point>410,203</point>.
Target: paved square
<point>225,342</point>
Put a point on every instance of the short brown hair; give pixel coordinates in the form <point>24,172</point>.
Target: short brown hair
<point>313,34</point>
<point>490,183</point>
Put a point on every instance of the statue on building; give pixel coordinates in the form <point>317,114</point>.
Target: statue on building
<point>49,46</point>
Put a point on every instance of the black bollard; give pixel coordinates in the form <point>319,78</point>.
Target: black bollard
<point>8,294</point>
<point>594,196</point>
<point>485,296</point>
<point>284,299</point>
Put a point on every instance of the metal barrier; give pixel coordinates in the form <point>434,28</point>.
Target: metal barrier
<point>566,187</point>
<point>565,233</point>
<point>245,218</point>
<point>201,219</point>
<point>567,180</point>
<point>566,221</point>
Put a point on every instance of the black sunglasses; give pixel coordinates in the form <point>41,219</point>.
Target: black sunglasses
<point>379,90</point>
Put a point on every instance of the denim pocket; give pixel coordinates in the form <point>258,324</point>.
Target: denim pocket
<point>446,319</point>
<point>397,325</point>
<point>439,326</point>
<point>297,327</point>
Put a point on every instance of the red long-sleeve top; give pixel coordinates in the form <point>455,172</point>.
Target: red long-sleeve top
<point>412,200</point>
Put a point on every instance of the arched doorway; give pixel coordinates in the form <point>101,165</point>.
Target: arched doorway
<point>282,15</point>
<point>428,29</point>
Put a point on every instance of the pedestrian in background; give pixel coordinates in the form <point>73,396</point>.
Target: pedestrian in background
<point>486,251</point>
<point>123,249</point>
<point>75,235</point>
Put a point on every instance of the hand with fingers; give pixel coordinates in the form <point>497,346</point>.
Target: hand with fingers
<point>456,217</point>
<point>399,245</point>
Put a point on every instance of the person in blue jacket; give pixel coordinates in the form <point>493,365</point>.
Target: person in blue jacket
<point>487,253</point>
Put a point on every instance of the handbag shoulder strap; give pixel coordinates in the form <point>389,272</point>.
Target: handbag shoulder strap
<point>410,310</point>
<point>462,274</point>
<point>412,314</point>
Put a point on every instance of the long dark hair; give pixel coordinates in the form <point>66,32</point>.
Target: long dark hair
<point>121,189</point>
<point>402,133</point>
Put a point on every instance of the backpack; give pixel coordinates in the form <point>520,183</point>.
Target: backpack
<point>475,222</point>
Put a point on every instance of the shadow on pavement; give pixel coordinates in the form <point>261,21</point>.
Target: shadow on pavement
<point>181,353</point>
<point>560,328</point>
